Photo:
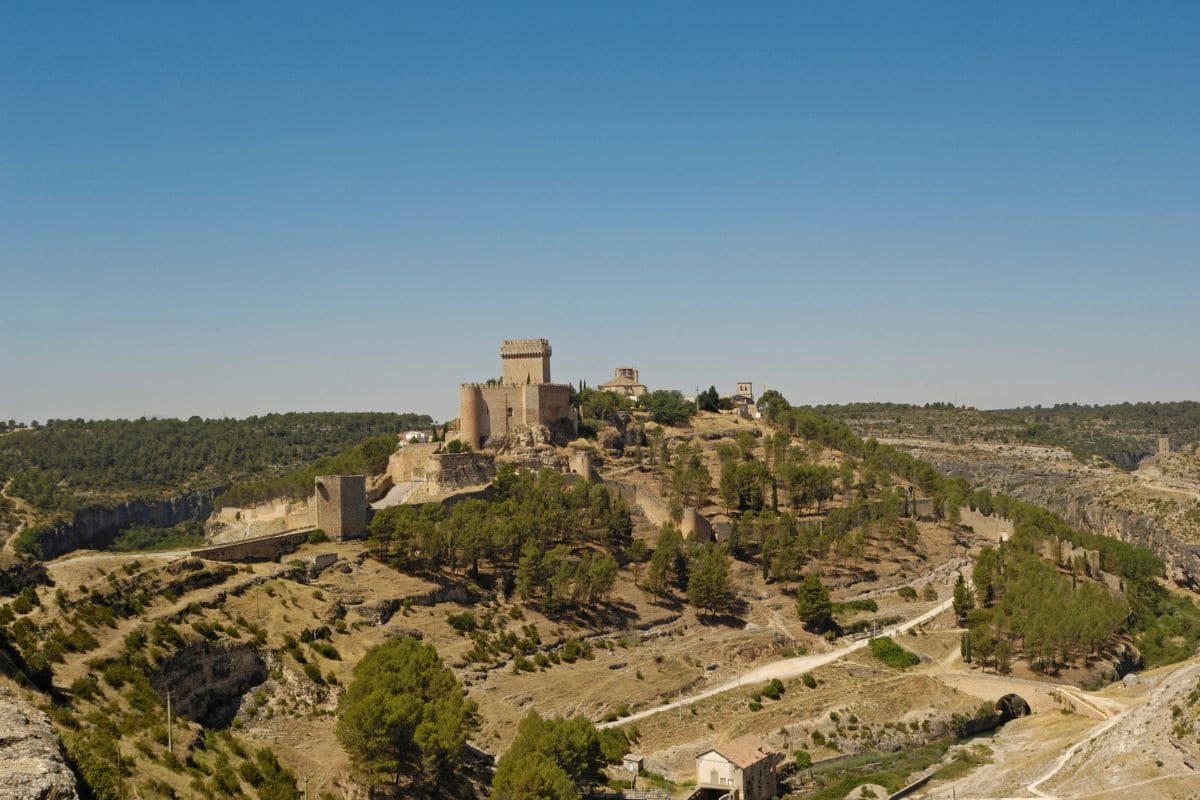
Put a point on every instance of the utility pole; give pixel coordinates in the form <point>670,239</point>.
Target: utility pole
<point>120,780</point>
<point>170,736</point>
<point>306,777</point>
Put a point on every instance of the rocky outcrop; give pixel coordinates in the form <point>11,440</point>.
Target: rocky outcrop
<point>32,766</point>
<point>97,526</point>
<point>207,681</point>
<point>16,574</point>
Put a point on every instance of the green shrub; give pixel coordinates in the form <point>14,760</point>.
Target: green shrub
<point>892,654</point>
<point>326,649</point>
<point>463,623</point>
<point>313,673</point>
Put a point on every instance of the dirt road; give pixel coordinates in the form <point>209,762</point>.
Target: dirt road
<point>787,668</point>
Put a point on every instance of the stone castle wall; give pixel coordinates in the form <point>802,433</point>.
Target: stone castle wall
<point>264,548</point>
<point>488,410</point>
<point>440,472</point>
<point>236,523</point>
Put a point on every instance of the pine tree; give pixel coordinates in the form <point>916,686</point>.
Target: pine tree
<point>709,586</point>
<point>813,604</point>
<point>962,599</point>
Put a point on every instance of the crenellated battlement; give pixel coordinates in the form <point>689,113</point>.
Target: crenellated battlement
<point>525,348</point>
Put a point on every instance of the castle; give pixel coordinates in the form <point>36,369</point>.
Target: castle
<point>523,397</point>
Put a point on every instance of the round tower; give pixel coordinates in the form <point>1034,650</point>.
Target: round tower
<point>468,414</point>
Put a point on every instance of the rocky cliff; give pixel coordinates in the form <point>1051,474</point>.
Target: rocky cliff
<point>97,526</point>
<point>1081,507</point>
<point>208,680</point>
<point>32,766</point>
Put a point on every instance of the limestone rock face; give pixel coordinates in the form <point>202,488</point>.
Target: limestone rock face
<point>32,766</point>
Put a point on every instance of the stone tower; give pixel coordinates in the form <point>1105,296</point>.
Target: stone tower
<point>525,361</point>
<point>522,398</point>
<point>342,505</point>
<point>1164,445</point>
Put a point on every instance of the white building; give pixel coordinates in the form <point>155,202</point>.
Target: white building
<point>740,769</point>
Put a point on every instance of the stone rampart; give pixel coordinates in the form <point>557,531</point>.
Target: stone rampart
<point>651,505</point>
<point>265,548</point>
<point>237,523</point>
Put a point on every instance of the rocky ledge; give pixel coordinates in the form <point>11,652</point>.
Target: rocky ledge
<point>32,766</point>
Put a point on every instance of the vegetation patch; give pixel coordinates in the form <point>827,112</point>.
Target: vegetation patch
<point>892,654</point>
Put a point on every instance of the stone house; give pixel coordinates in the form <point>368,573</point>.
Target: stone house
<point>741,769</point>
<point>625,381</point>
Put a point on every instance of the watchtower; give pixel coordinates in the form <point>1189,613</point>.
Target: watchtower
<point>342,505</point>
<point>525,361</point>
<point>1164,445</point>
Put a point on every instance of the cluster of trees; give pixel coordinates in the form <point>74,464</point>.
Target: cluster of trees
<point>405,719</point>
<point>52,465</point>
<point>559,537</point>
<point>405,715</point>
<point>556,759</point>
<point>667,406</point>
<point>598,404</point>
<point>786,543</point>
<point>560,578</point>
<point>1025,604</point>
<point>369,457</point>
<point>689,480</point>
<point>701,571</point>
<point>711,400</point>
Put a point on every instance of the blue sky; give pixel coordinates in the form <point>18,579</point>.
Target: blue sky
<point>241,208</point>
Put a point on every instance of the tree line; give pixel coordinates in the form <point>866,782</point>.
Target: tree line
<point>64,464</point>
<point>369,457</point>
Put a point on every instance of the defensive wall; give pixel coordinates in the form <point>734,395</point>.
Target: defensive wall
<point>497,409</point>
<point>440,472</point>
<point>234,524</point>
<point>652,506</point>
<point>264,548</point>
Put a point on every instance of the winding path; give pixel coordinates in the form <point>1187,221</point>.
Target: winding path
<point>787,668</point>
<point>1059,763</point>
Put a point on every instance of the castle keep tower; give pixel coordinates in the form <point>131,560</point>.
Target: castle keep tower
<point>342,505</point>
<point>523,397</point>
<point>524,361</point>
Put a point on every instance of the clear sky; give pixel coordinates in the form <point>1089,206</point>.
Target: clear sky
<point>236,208</point>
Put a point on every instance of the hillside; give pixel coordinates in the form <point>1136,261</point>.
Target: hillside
<point>1155,504</point>
<point>56,469</point>
<point>565,598</point>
